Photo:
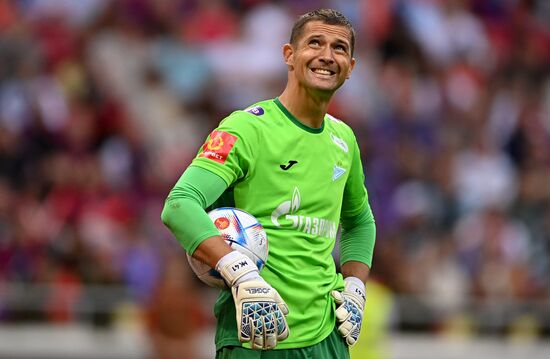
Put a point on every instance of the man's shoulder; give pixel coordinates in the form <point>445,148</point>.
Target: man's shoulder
<point>336,125</point>
<point>256,115</point>
<point>260,109</point>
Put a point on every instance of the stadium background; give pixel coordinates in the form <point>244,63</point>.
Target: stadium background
<point>103,103</point>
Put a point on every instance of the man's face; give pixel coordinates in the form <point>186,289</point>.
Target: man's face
<point>321,58</point>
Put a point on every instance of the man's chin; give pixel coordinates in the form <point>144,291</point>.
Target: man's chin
<point>328,88</point>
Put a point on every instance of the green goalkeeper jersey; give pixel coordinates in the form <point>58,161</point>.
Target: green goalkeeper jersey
<point>298,182</point>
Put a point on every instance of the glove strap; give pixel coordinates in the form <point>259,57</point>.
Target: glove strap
<point>236,268</point>
<point>356,287</point>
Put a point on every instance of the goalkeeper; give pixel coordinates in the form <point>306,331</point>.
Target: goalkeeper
<point>298,171</point>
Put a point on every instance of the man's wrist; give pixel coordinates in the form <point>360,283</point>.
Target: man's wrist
<point>236,268</point>
<point>356,281</point>
<point>355,286</point>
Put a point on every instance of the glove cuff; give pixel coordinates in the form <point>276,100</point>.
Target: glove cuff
<point>236,268</point>
<point>356,287</point>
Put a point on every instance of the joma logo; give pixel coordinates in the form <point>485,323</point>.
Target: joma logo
<point>257,290</point>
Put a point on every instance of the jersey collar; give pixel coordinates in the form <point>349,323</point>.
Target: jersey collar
<point>297,122</point>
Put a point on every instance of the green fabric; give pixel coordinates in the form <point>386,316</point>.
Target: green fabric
<point>183,210</point>
<point>355,229</point>
<point>298,204</point>
<point>332,347</point>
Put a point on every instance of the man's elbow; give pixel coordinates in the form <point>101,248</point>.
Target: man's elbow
<point>167,212</point>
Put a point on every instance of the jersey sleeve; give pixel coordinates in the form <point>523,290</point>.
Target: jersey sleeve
<point>183,211</point>
<point>358,226</point>
<point>229,150</point>
<point>355,194</point>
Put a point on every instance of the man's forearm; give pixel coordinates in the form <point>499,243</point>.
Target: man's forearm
<point>211,250</point>
<point>356,269</point>
<point>358,238</point>
<point>184,214</point>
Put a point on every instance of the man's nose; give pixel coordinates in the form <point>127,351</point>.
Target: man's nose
<point>326,55</point>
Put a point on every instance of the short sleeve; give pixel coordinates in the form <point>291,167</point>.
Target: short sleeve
<point>229,150</point>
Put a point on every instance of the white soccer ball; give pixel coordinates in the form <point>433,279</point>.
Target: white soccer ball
<point>243,233</point>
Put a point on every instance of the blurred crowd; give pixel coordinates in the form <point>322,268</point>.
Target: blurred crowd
<point>103,103</point>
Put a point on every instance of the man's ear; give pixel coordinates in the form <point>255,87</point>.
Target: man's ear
<point>288,54</point>
<point>351,67</point>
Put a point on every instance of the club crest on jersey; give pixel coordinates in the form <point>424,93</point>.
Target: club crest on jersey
<point>218,146</point>
<point>339,142</point>
<point>258,110</point>
<point>337,172</point>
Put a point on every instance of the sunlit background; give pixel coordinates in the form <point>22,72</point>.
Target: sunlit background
<point>103,103</point>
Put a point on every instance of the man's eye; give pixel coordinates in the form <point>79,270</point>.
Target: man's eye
<point>340,48</point>
<point>314,42</point>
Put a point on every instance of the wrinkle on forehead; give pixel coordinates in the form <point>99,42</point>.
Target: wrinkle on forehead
<point>320,28</point>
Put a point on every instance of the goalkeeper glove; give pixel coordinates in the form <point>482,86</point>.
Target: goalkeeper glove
<point>260,309</point>
<point>349,313</point>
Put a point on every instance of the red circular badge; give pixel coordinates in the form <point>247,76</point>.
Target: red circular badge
<point>221,223</point>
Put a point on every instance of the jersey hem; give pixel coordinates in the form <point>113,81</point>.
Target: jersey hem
<point>280,346</point>
<point>227,343</point>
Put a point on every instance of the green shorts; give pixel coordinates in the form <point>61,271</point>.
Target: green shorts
<point>332,347</point>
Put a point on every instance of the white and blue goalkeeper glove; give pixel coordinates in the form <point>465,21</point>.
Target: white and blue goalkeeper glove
<point>260,309</point>
<point>349,314</point>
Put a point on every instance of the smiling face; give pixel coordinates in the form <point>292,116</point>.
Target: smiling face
<point>320,60</point>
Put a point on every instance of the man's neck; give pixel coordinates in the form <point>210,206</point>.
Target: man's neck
<point>308,108</point>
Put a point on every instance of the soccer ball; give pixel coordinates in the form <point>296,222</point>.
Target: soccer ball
<point>243,233</point>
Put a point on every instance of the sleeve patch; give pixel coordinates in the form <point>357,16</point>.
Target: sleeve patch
<point>258,110</point>
<point>218,146</point>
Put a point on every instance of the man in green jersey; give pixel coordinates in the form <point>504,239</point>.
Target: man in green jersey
<point>298,171</point>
